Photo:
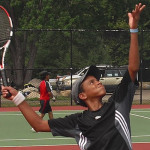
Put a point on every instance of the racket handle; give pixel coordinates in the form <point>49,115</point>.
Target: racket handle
<point>5,83</point>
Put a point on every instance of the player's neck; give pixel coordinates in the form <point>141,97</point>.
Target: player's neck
<point>94,105</point>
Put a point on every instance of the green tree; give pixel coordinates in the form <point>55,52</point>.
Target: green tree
<point>49,49</point>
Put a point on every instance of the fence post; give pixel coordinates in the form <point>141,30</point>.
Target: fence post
<point>141,77</point>
<point>0,101</point>
<point>71,64</point>
<point>0,91</point>
<point>141,68</point>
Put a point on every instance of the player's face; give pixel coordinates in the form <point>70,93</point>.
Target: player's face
<point>93,88</point>
<point>47,77</point>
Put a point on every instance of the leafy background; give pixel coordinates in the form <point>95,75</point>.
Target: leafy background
<point>63,34</point>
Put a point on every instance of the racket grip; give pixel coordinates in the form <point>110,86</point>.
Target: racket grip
<point>5,83</point>
<point>8,95</point>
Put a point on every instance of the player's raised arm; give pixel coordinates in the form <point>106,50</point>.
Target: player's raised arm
<point>134,61</point>
<point>33,118</point>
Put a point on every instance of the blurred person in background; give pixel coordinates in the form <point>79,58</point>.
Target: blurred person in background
<point>45,90</point>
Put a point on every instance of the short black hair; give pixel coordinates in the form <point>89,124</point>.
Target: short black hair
<point>43,74</point>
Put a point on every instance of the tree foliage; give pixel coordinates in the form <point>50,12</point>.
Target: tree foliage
<point>38,48</point>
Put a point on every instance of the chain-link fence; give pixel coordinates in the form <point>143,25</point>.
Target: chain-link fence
<point>63,53</point>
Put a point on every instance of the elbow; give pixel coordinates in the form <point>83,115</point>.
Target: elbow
<point>34,130</point>
<point>38,129</point>
<point>133,69</point>
<point>42,127</point>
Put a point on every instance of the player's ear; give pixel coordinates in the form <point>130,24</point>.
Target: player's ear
<point>82,96</point>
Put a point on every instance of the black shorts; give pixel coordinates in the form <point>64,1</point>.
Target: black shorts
<point>45,106</point>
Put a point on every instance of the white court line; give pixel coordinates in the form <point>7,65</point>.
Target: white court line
<point>57,113</point>
<point>140,111</point>
<point>139,136</point>
<point>41,145</point>
<point>22,115</point>
<point>139,116</point>
<point>37,139</point>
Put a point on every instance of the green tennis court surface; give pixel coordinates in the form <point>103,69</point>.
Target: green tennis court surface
<point>140,125</point>
<point>15,131</point>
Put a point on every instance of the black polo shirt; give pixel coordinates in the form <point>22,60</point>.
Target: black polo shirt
<point>105,129</point>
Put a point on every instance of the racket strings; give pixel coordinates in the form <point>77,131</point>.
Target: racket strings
<point>5,28</point>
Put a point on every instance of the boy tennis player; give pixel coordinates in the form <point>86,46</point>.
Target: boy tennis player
<point>104,126</point>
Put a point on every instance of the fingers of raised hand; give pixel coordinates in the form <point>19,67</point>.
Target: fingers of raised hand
<point>139,8</point>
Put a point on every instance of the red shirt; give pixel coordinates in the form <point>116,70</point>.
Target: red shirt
<point>44,88</point>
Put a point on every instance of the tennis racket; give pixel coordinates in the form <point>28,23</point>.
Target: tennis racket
<point>6,33</point>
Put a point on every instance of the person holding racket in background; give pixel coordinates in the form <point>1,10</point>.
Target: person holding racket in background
<point>103,126</point>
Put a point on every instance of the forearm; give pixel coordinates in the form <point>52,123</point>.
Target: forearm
<point>134,61</point>
<point>33,118</point>
<point>50,94</point>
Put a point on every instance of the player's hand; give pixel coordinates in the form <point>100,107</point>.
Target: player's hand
<point>6,89</point>
<point>134,16</point>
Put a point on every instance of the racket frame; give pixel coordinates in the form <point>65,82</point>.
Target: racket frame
<point>5,47</point>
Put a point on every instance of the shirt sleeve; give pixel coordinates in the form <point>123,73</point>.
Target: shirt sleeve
<point>48,86</point>
<point>64,126</point>
<point>124,92</point>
